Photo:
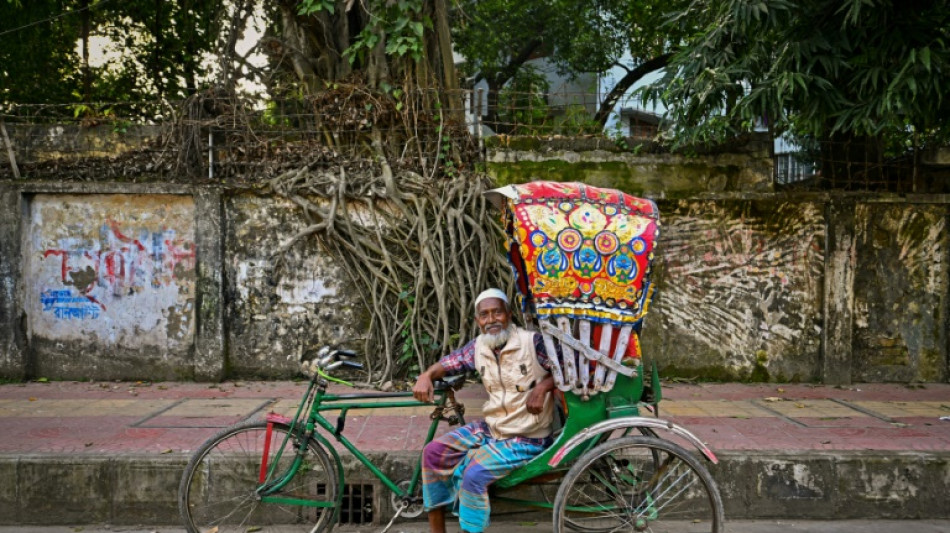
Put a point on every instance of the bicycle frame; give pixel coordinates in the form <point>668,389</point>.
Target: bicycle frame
<point>622,401</point>
<point>318,402</point>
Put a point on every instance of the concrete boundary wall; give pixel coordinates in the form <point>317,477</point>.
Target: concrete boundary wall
<point>802,287</point>
<point>116,270</point>
<point>133,266</point>
<point>752,286</point>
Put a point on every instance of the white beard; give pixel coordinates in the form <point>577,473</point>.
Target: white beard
<point>497,340</point>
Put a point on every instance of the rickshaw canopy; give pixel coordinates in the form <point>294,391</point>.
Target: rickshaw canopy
<point>578,251</point>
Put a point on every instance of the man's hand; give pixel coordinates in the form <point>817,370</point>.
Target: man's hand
<point>539,394</point>
<point>423,390</point>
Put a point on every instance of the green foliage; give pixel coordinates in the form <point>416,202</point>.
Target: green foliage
<point>618,136</point>
<point>576,120</point>
<point>309,7</point>
<point>815,67</point>
<point>401,23</point>
<point>162,47</point>
<point>402,43</point>
<point>578,36</point>
<point>489,33</point>
<point>523,101</point>
<point>523,104</point>
<point>38,63</point>
<point>445,157</point>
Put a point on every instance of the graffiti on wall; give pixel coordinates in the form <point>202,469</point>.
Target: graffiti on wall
<point>117,264</point>
<point>64,303</point>
<point>119,268</point>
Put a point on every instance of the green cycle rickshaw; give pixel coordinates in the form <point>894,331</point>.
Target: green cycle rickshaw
<point>581,257</point>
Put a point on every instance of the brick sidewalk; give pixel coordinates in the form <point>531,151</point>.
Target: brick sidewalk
<point>85,453</point>
<point>160,418</point>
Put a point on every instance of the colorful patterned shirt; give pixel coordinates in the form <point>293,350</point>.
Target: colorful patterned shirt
<point>463,359</point>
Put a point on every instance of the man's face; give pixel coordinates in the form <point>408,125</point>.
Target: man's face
<point>492,315</point>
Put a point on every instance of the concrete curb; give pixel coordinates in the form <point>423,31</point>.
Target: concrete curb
<point>49,489</point>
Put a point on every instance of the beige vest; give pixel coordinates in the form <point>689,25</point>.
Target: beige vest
<point>509,380</point>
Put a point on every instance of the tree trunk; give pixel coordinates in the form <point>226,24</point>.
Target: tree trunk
<point>190,50</point>
<point>440,49</point>
<point>496,82</point>
<point>242,11</point>
<point>314,47</point>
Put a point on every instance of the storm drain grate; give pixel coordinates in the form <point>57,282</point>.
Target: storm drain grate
<point>357,505</point>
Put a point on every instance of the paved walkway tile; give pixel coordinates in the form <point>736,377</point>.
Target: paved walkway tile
<point>211,408</point>
<point>812,409</point>
<point>287,407</point>
<point>712,408</point>
<point>104,418</point>
<point>905,409</point>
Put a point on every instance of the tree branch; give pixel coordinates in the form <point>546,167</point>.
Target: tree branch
<point>626,82</point>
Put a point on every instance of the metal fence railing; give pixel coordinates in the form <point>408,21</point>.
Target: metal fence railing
<point>223,135</point>
<point>857,164</point>
<point>793,167</point>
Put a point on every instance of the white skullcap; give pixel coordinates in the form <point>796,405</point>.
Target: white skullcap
<point>491,293</point>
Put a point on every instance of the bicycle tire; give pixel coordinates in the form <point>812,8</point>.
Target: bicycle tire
<point>644,431</point>
<point>621,486</point>
<point>218,487</point>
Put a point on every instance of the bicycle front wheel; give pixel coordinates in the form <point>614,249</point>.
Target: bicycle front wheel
<point>638,483</point>
<point>218,490</point>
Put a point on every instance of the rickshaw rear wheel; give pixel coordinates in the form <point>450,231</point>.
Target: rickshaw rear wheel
<point>550,494</point>
<point>638,483</point>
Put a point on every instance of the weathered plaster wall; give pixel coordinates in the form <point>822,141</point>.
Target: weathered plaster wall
<point>739,290</point>
<point>655,175</point>
<point>35,143</point>
<point>751,286</point>
<point>900,295</point>
<point>14,361</point>
<point>270,323</point>
<point>757,285</point>
<point>110,274</point>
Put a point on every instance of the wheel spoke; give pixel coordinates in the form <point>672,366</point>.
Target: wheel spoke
<point>672,499</point>
<point>636,483</point>
<point>219,490</point>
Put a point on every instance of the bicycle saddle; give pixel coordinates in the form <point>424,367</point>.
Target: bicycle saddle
<point>453,382</point>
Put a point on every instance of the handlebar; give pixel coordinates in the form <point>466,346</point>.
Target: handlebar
<point>329,359</point>
<point>351,364</point>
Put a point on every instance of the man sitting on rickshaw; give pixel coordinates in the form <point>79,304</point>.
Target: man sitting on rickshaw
<point>458,467</point>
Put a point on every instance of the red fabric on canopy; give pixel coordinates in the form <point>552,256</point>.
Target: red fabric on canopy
<point>581,251</point>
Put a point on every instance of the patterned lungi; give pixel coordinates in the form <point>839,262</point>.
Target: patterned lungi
<point>458,467</point>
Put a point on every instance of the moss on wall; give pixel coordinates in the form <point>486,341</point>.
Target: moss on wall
<point>662,175</point>
<point>713,373</point>
<point>604,174</point>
